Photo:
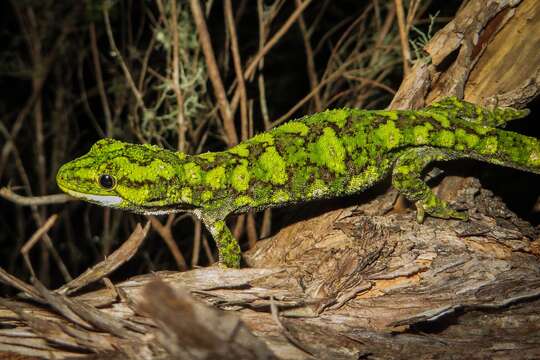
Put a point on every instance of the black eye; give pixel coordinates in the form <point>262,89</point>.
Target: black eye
<point>107,181</point>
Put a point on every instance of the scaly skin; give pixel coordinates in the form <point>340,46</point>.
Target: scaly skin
<point>328,154</point>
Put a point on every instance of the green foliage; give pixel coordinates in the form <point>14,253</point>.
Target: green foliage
<point>422,39</point>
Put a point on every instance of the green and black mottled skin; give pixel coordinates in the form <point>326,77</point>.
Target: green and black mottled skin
<point>324,155</point>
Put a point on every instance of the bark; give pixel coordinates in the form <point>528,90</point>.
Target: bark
<point>365,281</point>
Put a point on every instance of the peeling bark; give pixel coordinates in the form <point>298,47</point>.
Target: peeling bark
<point>488,54</point>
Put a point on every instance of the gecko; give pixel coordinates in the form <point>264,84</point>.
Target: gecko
<point>324,155</point>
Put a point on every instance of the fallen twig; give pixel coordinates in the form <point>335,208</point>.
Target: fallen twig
<point>9,195</point>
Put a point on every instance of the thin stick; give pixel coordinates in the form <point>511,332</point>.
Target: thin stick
<point>237,61</point>
<point>118,55</point>
<point>270,44</point>
<point>253,64</point>
<point>262,90</point>
<point>251,229</point>
<point>375,83</point>
<point>180,118</point>
<point>405,52</point>
<point>39,233</point>
<point>106,233</point>
<point>310,63</point>
<point>213,73</point>
<point>27,289</point>
<point>9,195</point>
<point>208,251</point>
<point>381,35</point>
<point>266,226</point>
<point>288,114</point>
<point>34,239</point>
<point>85,95</point>
<point>344,37</point>
<point>118,257</point>
<point>99,80</point>
<point>146,58</point>
<point>197,229</point>
<point>38,217</point>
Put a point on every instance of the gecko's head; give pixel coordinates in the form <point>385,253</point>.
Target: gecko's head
<point>120,175</point>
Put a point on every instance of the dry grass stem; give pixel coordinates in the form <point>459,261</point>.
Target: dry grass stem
<point>403,36</point>
<point>99,80</point>
<point>118,55</point>
<point>310,62</point>
<point>38,234</point>
<point>180,118</point>
<point>237,62</point>
<point>250,69</point>
<point>197,237</point>
<point>9,195</point>
<point>214,73</point>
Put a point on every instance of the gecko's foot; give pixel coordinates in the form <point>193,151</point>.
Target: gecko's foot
<point>223,266</point>
<point>440,209</point>
<point>229,260</point>
<point>228,264</point>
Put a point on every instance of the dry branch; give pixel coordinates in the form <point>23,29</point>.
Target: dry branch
<point>213,73</point>
<point>8,194</point>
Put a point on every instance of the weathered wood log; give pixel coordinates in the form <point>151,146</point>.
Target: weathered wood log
<point>365,281</point>
<point>355,281</point>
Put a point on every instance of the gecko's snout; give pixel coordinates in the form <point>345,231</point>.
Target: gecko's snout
<point>62,177</point>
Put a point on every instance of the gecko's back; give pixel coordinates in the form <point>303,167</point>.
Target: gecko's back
<point>344,151</point>
<point>327,154</point>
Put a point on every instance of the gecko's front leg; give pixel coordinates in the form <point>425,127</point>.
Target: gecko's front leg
<point>228,248</point>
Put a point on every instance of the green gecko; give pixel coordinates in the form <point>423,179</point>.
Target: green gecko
<point>324,155</point>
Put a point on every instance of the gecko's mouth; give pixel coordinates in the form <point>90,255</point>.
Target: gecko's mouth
<point>105,200</point>
<point>149,209</point>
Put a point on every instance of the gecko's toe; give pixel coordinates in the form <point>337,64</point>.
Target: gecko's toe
<point>439,209</point>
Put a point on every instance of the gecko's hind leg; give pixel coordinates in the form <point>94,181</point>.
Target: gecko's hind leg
<point>228,248</point>
<point>406,178</point>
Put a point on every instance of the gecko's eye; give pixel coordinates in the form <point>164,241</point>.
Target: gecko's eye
<point>107,181</point>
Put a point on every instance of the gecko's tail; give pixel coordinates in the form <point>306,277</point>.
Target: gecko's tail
<point>511,149</point>
<point>489,116</point>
